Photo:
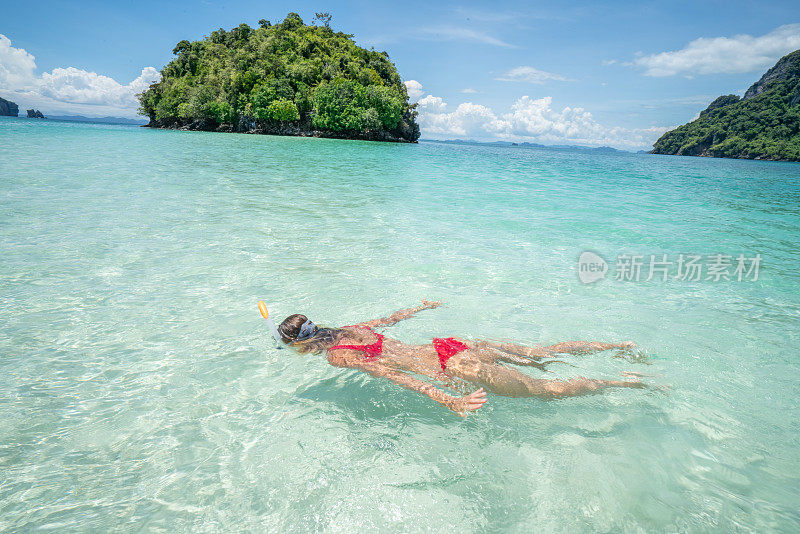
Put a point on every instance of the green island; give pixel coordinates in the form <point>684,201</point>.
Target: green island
<point>763,124</point>
<point>284,79</point>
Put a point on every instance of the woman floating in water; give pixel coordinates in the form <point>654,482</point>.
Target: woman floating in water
<point>447,360</point>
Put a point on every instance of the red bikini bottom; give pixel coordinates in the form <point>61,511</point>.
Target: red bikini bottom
<point>446,348</point>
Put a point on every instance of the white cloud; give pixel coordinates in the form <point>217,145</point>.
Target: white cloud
<point>432,104</point>
<point>528,120</point>
<point>148,76</point>
<point>455,33</point>
<point>67,90</point>
<point>740,53</point>
<point>530,75</point>
<point>16,65</point>
<point>469,91</point>
<point>76,86</point>
<point>535,118</point>
<point>607,62</point>
<point>414,89</point>
<point>468,119</point>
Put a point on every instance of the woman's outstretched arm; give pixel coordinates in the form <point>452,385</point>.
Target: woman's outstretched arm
<point>400,315</point>
<point>459,405</point>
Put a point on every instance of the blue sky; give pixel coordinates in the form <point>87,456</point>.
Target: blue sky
<point>618,73</point>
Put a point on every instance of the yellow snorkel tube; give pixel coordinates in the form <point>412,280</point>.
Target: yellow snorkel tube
<point>265,314</point>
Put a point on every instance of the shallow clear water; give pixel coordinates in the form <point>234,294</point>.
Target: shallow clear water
<point>140,388</point>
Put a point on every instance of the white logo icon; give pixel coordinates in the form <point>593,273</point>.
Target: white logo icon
<point>591,267</point>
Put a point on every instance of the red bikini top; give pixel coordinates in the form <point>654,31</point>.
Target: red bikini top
<point>370,351</point>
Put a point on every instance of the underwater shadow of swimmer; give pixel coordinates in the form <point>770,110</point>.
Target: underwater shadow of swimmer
<point>362,398</point>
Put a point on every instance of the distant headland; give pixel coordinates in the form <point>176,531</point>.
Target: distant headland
<point>763,124</point>
<point>8,108</point>
<point>284,79</point>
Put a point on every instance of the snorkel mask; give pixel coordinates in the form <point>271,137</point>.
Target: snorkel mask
<point>265,314</point>
<point>306,331</point>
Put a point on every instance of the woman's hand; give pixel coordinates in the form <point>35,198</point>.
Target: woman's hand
<point>467,403</point>
<point>429,305</point>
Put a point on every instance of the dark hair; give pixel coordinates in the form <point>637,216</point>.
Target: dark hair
<point>289,329</point>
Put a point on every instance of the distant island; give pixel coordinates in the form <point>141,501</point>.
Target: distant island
<point>98,120</point>
<point>764,124</point>
<point>8,108</point>
<point>11,109</point>
<point>283,79</point>
<point>527,144</point>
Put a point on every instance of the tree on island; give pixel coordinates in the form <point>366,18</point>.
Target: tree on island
<point>288,78</point>
<point>324,18</point>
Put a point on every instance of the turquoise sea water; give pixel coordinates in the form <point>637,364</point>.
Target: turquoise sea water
<point>140,388</point>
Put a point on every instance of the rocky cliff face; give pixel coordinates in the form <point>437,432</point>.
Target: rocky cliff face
<point>8,108</point>
<point>786,69</point>
<point>35,114</point>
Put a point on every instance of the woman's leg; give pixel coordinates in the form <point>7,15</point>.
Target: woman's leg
<point>502,380</point>
<point>501,352</point>
<point>586,347</point>
<point>535,353</point>
<point>515,359</point>
<point>566,347</point>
